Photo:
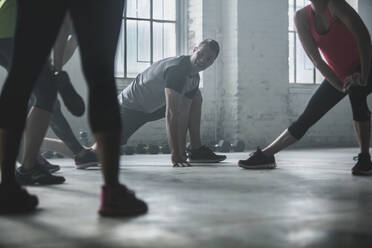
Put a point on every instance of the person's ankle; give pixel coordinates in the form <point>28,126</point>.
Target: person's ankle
<point>9,184</point>
<point>26,167</point>
<point>267,153</point>
<point>364,154</point>
<point>81,153</point>
<point>111,185</point>
<point>195,147</point>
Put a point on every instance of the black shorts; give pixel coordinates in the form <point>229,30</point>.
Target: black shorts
<point>45,91</point>
<point>132,120</point>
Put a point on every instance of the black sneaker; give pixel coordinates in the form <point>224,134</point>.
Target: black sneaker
<point>37,175</point>
<point>364,166</point>
<point>204,155</point>
<point>120,201</point>
<point>258,160</point>
<point>16,200</point>
<point>72,100</point>
<point>87,159</point>
<point>41,161</point>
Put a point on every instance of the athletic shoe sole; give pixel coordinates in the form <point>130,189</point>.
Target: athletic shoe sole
<point>13,210</point>
<point>261,166</point>
<point>117,213</point>
<point>205,160</point>
<point>86,165</point>
<point>361,173</point>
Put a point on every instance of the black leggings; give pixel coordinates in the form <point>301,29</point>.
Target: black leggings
<point>45,92</point>
<point>97,24</point>
<point>324,99</point>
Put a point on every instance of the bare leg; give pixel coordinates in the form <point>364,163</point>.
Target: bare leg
<point>363,133</point>
<point>194,121</point>
<point>58,146</point>
<point>36,127</point>
<point>284,140</point>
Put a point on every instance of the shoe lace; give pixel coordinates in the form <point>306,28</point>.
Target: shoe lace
<point>361,156</point>
<point>208,151</point>
<point>41,160</point>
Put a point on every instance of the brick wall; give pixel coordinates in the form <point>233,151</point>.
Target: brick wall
<point>246,92</point>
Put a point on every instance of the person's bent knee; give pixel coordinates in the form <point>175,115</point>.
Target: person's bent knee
<point>198,98</point>
<point>362,116</point>
<point>45,101</point>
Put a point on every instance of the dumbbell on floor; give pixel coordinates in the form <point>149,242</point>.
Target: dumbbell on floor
<point>153,149</point>
<point>165,149</point>
<point>127,150</point>
<point>141,149</point>
<point>223,146</point>
<point>238,146</point>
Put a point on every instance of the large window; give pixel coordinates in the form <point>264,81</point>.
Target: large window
<point>301,69</point>
<point>150,32</point>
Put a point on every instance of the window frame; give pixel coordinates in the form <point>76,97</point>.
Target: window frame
<point>180,27</point>
<point>295,38</point>
<point>353,3</point>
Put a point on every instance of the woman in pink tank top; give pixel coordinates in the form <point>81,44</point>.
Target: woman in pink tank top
<point>335,30</point>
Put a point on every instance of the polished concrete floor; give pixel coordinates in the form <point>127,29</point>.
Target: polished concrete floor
<point>310,200</point>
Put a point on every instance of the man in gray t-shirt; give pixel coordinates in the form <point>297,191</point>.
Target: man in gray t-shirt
<point>170,88</point>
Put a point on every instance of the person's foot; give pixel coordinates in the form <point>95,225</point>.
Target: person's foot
<point>204,155</point>
<point>85,159</point>
<point>41,161</point>
<point>364,166</point>
<point>258,160</point>
<point>37,175</point>
<point>72,100</point>
<point>120,201</point>
<point>16,200</point>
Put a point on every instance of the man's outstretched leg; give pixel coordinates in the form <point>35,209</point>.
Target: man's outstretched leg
<point>199,153</point>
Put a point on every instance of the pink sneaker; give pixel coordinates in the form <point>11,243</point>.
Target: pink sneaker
<point>120,201</point>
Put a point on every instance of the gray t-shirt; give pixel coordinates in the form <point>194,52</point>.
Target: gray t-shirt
<point>146,92</point>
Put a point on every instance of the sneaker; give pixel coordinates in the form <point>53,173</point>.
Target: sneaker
<point>16,200</point>
<point>41,161</point>
<point>85,159</point>
<point>120,201</point>
<point>72,100</point>
<point>37,175</point>
<point>364,166</point>
<point>258,160</point>
<point>204,155</point>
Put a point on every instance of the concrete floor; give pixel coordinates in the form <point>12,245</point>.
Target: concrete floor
<point>311,200</point>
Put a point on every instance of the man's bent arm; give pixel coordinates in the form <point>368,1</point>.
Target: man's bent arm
<point>177,107</point>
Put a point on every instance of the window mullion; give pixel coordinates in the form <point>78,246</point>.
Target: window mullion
<point>125,46</point>
<point>151,32</point>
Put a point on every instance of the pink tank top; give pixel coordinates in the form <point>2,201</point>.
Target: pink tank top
<point>338,46</point>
